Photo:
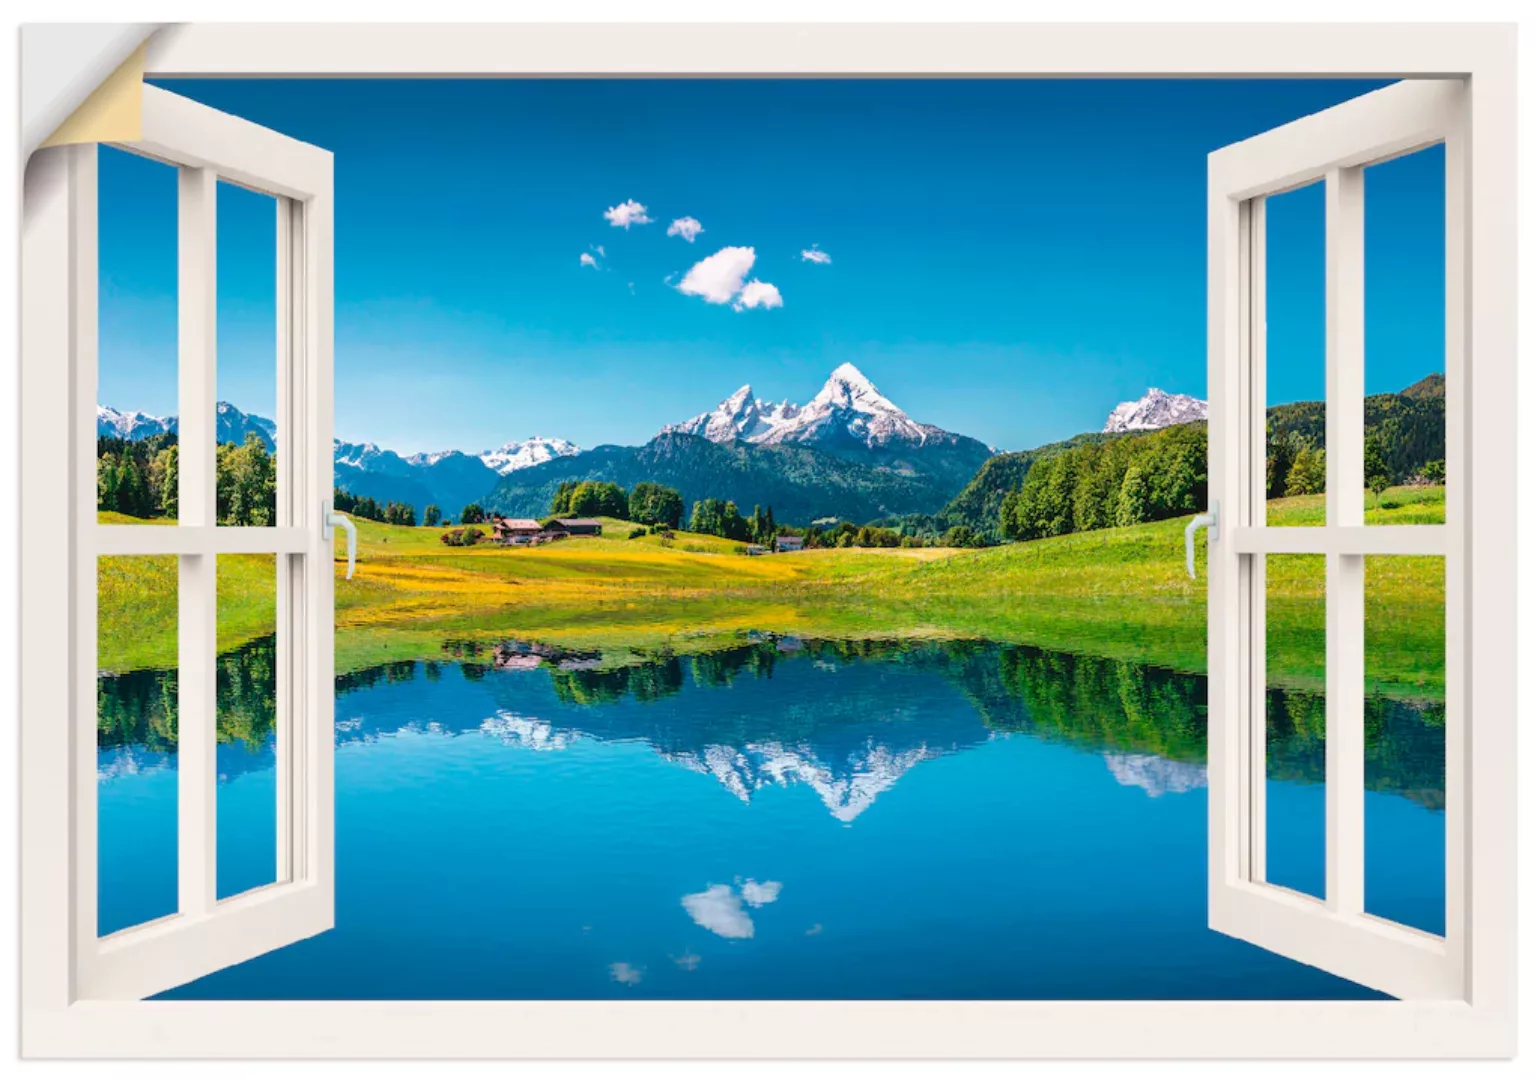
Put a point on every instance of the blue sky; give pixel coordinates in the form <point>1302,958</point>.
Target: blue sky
<point>1008,259</point>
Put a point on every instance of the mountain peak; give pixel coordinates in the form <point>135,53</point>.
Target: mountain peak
<point>1156,409</point>
<point>847,388</point>
<point>231,425</point>
<point>848,407</point>
<point>851,376</point>
<point>535,450</point>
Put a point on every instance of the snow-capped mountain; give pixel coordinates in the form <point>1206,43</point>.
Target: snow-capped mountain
<point>849,452</point>
<point>510,457</point>
<point>132,426</point>
<point>846,788</point>
<point>448,479</point>
<point>740,417</point>
<point>1156,775</point>
<point>363,455</point>
<point>231,425</point>
<point>1156,409</point>
<point>849,408</point>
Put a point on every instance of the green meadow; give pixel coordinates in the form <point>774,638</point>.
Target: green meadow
<point>1119,593</point>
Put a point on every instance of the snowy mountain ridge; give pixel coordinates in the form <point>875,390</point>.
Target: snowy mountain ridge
<point>848,406</point>
<point>1156,409</point>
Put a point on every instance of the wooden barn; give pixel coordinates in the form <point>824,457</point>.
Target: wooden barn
<point>579,526</point>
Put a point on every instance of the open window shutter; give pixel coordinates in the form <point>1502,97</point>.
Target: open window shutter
<point>207,933</point>
<point>1333,933</point>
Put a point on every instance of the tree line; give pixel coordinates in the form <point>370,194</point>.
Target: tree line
<point>647,503</point>
<point>1152,476</point>
<point>1122,481</point>
<point>1295,467</point>
<point>367,507</point>
<point>141,479</point>
<point>847,534</point>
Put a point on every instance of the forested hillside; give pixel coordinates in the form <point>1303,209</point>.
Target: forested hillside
<point>1096,481</point>
<point>802,483</point>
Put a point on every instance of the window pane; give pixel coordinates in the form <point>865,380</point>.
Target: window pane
<point>136,394</point>
<point>136,736</point>
<point>247,333</point>
<point>1296,356</point>
<point>1404,339</point>
<point>1296,722</point>
<point>246,684</point>
<point>1404,739</point>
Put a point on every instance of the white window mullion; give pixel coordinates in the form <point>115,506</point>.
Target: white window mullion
<point>1254,514</point>
<point>1345,508</point>
<point>1345,347</point>
<point>197,609</point>
<point>287,457</point>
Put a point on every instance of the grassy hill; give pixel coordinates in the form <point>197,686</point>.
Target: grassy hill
<point>1120,593</point>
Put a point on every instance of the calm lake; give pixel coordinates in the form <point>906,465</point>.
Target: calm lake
<point>783,819</point>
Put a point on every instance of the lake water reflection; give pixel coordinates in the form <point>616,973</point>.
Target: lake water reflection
<point>781,819</point>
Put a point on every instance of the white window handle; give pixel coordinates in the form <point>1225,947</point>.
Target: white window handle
<point>330,517</point>
<point>1209,521</point>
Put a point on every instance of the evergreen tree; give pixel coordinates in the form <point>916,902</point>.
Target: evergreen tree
<point>107,482</point>
<point>1133,497</point>
<point>431,515</point>
<point>734,525</point>
<point>1376,471</point>
<point>1307,476</point>
<point>168,478</point>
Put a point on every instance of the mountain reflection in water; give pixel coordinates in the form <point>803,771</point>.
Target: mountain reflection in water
<point>489,785</point>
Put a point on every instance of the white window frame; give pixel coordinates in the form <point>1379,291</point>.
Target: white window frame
<point>206,932</point>
<point>1335,932</point>
<point>56,1022</point>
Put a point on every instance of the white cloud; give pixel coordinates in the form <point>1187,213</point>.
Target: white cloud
<point>813,255</point>
<point>627,214</point>
<point>586,259</point>
<point>687,228</point>
<point>689,961</point>
<point>625,974</point>
<point>718,278</point>
<point>758,294</point>
<point>758,895</point>
<point>600,249</point>
<point>719,910</point>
